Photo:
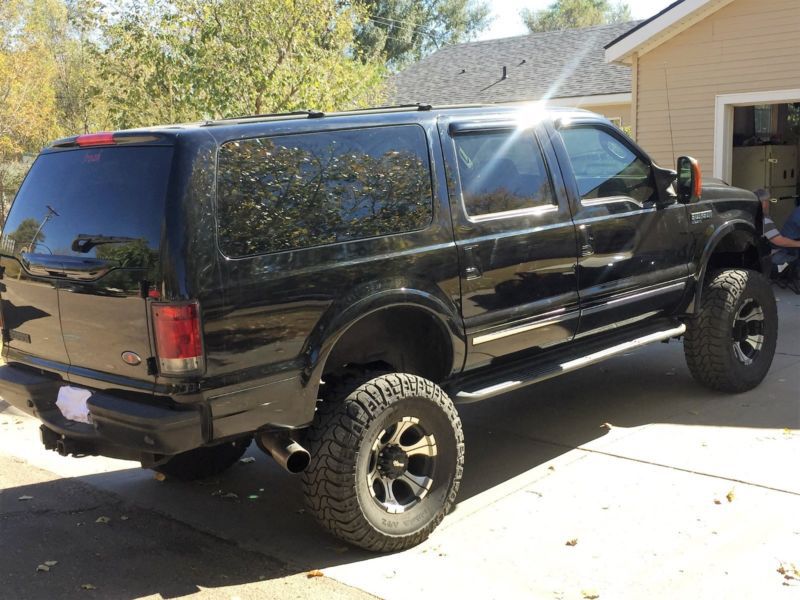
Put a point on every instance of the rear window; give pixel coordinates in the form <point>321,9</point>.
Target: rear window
<point>106,203</point>
<point>303,190</point>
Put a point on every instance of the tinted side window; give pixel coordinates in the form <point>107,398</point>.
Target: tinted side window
<point>605,166</point>
<point>303,190</point>
<point>502,171</point>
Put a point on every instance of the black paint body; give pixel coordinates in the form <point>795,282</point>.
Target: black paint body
<point>497,289</point>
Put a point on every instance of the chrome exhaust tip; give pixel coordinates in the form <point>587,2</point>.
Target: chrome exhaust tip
<point>286,452</point>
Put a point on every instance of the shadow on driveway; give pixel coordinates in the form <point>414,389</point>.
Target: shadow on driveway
<point>182,535</point>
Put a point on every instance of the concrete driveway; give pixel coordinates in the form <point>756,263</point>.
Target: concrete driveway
<point>624,480</point>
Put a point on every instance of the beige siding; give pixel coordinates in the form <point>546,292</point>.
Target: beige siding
<point>613,111</point>
<point>748,46</point>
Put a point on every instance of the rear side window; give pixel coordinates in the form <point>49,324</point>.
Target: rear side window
<point>104,203</point>
<point>502,171</point>
<point>303,190</point>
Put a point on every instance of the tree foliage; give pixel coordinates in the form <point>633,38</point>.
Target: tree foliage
<point>573,14</point>
<point>72,66</point>
<point>191,59</point>
<point>401,31</point>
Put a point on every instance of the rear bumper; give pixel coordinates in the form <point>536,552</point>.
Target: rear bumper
<point>120,427</point>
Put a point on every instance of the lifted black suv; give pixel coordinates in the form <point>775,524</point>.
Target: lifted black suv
<point>331,284</point>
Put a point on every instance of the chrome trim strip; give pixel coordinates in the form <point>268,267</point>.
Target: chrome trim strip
<point>550,318</point>
<point>635,297</point>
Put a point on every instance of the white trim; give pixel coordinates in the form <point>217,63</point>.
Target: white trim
<point>723,122</point>
<point>663,28</point>
<point>597,100</point>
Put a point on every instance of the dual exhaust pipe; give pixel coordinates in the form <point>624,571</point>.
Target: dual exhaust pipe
<point>286,452</point>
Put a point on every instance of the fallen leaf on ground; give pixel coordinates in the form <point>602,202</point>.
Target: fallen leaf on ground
<point>43,568</point>
<point>590,594</point>
<point>24,498</point>
<point>247,460</point>
<point>551,468</point>
<point>730,496</point>
<point>159,476</point>
<point>572,542</point>
<point>717,501</point>
<point>102,520</point>
<point>230,496</point>
<point>51,563</point>
<point>315,573</point>
<point>124,518</point>
<point>789,571</point>
<point>88,586</point>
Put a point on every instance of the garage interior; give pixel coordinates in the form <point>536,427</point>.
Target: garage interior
<point>765,153</point>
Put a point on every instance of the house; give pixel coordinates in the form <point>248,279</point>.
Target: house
<point>720,80</point>
<point>568,68</point>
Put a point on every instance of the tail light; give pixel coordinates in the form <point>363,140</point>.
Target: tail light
<point>104,138</point>
<point>179,341</point>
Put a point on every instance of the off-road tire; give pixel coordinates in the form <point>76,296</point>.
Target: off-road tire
<point>342,442</point>
<point>204,462</point>
<point>711,333</point>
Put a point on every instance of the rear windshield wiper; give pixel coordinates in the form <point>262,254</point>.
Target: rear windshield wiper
<point>85,242</point>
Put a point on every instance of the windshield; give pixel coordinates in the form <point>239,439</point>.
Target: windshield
<point>103,203</point>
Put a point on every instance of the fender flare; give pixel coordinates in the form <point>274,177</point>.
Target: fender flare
<point>342,316</point>
<point>712,243</point>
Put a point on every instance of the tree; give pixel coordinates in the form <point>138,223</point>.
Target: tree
<point>574,14</point>
<point>192,59</point>
<point>401,31</point>
<point>25,233</point>
<point>27,99</point>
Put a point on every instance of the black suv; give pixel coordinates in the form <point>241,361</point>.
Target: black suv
<point>330,285</point>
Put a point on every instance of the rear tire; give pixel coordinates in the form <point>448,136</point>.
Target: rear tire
<point>730,342</point>
<point>386,462</point>
<point>204,462</point>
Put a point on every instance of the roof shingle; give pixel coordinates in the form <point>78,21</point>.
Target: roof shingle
<point>553,64</point>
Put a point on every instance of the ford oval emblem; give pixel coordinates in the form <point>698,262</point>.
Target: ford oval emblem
<point>131,358</point>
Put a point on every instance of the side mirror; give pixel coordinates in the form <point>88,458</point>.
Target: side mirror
<point>690,180</point>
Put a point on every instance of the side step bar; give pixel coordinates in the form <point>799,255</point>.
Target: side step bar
<point>525,375</point>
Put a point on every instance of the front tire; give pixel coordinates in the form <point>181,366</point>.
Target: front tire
<point>730,342</point>
<point>386,462</point>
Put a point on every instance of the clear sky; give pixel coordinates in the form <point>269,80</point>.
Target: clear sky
<point>507,21</point>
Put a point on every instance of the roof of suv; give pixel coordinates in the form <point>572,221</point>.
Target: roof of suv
<point>246,125</point>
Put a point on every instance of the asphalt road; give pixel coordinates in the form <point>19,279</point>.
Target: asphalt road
<point>624,480</point>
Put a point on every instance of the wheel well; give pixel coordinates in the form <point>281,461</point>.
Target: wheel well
<point>737,250</point>
<point>402,339</point>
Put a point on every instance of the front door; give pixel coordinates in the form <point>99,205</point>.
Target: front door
<point>633,240</point>
<point>515,238</point>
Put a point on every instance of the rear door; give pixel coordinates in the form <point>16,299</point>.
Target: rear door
<point>82,244</point>
<point>515,238</point>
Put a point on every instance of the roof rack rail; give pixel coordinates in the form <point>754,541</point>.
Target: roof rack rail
<point>421,106</point>
<point>311,114</point>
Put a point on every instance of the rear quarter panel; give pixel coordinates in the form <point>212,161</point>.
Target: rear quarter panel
<point>269,320</point>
